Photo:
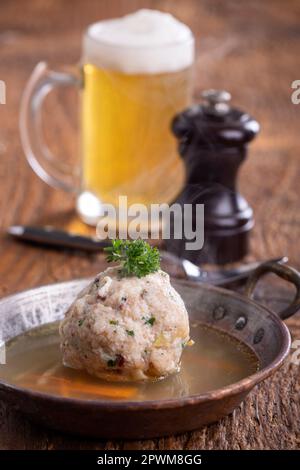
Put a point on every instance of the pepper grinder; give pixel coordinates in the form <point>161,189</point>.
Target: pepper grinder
<point>213,139</point>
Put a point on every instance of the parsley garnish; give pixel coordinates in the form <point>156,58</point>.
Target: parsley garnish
<point>149,321</point>
<point>113,322</point>
<point>136,257</point>
<point>80,322</point>
<point>130,332</point>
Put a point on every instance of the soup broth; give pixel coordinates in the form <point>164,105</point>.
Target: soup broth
<point>33,361</point>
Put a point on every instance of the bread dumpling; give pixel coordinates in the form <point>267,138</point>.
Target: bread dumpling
<point>126,328</point>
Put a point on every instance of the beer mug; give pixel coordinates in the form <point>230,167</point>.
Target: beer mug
<point>136,74</point>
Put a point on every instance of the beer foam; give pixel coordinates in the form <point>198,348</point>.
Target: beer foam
<point>144,42</point>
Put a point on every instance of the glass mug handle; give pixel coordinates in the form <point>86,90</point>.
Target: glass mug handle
<point>38,155</point>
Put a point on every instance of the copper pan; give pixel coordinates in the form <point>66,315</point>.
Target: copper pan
<point>237,315</point>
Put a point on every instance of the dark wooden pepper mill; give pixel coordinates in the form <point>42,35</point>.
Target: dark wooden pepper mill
<point>213,139</point>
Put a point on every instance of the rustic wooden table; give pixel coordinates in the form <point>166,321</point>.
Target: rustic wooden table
<point>249,48</point>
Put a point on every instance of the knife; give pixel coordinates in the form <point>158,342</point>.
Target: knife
<point>50,236</point>
<point>57,238</point>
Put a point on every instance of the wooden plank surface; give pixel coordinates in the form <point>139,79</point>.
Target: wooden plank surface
<point>249,48</point>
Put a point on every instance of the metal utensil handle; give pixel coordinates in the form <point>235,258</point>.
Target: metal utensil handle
<point>283,271</point>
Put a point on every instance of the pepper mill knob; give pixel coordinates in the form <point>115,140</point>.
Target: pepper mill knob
<point>213,139</point>
<point>216,101</point>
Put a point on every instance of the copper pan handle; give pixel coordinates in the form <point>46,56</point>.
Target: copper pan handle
<point>285,272</point>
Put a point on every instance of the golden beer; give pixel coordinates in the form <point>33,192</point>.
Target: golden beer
<point>127,145</point>
<point>136,75</point>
